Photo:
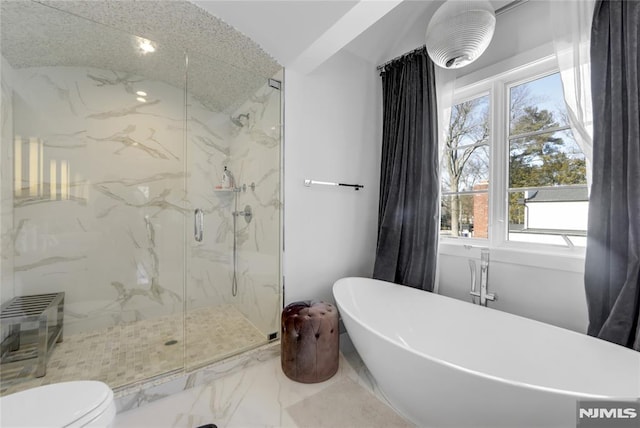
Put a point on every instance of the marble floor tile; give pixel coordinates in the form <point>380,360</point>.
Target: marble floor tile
<point>132,352</point>
<point>344,404</point>
<point>260,396</point>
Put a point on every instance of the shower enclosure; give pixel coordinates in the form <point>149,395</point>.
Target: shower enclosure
<point>112,154</point>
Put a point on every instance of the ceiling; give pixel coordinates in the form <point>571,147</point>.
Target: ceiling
<point>225,66</point>
<point>285,29</point>
<point>282,28</point>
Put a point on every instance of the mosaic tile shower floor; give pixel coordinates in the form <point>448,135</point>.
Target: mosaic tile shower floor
<point>136,351</point>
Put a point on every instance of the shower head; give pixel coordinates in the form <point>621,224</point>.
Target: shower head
<point>240,120</point>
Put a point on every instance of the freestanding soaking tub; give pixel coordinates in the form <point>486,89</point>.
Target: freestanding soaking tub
<point>442,362</point>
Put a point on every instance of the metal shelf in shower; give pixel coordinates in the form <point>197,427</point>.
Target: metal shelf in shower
<point>21,345</point>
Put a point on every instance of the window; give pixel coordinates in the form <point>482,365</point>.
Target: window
<point>465,171</point>
<point>548,197</point>
<point>511,170</point>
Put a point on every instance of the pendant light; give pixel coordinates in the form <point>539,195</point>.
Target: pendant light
<point>459,32</point>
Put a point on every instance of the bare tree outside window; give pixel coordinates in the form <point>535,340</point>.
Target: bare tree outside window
<point>465,163</point>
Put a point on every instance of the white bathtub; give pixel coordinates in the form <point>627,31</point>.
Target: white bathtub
<point>442,362</point>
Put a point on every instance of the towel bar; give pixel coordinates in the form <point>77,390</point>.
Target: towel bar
<point>308,183</point>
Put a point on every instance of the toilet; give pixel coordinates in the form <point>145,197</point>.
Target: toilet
<point>84,403</point>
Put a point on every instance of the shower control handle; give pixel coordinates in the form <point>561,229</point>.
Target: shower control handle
<point>247,214</point>
<point>198,224</point>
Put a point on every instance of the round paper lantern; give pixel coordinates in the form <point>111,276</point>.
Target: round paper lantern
<point>459,32</point>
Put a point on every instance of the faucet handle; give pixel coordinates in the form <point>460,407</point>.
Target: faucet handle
<point>473,292</point>
<point>491,296</point>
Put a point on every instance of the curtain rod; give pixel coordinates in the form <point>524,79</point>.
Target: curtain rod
<point>381,66</point>
<point>500,11</point>
<point>507,7</point>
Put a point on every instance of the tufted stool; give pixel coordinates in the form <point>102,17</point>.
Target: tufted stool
<point>310,341</point>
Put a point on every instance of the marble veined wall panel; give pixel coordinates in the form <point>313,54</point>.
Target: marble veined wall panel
<point>255,157</point>
<point>101,208</point>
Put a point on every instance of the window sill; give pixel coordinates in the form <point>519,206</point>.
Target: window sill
<point>540,256</point>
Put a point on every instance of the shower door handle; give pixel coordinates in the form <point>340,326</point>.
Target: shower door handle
<point>198,224</point>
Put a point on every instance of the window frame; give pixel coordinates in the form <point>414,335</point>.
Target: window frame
<point>497,81</point>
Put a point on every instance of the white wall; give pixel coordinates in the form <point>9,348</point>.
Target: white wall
<point>525,27</point>
<point>539,286</point>
<point>544,287</point>
<point>332,133</point>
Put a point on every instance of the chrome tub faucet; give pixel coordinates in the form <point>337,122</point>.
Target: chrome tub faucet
<point>483,295</point>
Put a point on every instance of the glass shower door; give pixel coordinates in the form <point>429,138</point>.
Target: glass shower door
<point>233,272</point>
<point>93,187</point>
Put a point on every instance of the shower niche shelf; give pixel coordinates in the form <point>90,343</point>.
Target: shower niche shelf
<point>227,190</point>
<point>222,193</point>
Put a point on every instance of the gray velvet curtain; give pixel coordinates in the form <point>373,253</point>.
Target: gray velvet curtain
<point>409,204</point>
<point>612,271</point>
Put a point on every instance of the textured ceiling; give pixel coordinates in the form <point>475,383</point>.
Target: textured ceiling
<point>284,28</point>
<point>225,67</point>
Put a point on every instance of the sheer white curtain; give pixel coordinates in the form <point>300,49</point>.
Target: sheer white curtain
<point>571,23</point>
<point>445,86</point>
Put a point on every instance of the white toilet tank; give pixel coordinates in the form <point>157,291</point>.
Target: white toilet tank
<point>84,403</point>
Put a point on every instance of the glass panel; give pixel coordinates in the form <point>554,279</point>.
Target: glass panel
<point>516,211</point>
<point>96,199</point>
<point>549,159</point>
<point>465,215</point>
<point>97,177</point>
<point>544,215</point>
<point>465,169</point>
<point>233,273</point>
<point>537,105</point>
<point>469,123</point>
